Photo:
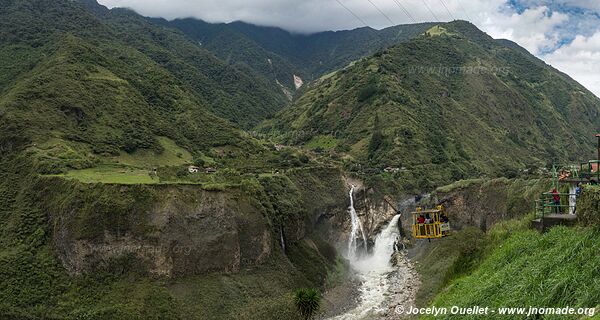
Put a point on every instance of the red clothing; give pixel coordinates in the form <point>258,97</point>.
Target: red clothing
<point>421,220</point>
<point>555,196</point>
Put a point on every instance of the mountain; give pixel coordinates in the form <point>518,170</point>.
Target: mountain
<point>130,190</point>
<point>236,48</point>
<point>80,86</point>
<point>449,104</point>
<point>101,115</point>
<point>280,55</point>
<point>237,94</point>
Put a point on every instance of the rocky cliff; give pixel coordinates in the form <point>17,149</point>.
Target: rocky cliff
<point>179,230</point>
<point>482,203</point>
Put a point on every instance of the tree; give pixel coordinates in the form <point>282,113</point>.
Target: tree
<point>376,137</point>
<point>308,302</point>
<point>303,158</point>
<point>198,160</point>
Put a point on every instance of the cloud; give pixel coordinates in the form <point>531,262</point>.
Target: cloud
<point>532,28</point>
<point>554,30</point>
<point>582,60</point>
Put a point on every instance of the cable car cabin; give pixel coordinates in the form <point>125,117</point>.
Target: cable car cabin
<point>430,224</point>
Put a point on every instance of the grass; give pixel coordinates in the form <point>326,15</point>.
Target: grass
<point>322,141</point>
<point>436,263</point>
<point>173,155</point>
<point>112,174</point>
<point>459,185</point>
<point>555,269</point>
<point>459,254</point>
<point>437,31</point>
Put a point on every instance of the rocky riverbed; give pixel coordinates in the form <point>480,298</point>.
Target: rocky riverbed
<point>376,293</point>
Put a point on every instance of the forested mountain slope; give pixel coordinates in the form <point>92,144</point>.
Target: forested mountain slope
<point>31,28</point>
<point>279,55</point>
<point>448,104</point>
<point>75,87</point>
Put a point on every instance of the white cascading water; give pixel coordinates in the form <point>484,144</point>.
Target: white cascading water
<point>572,199</point>
<point>373,272</point>
<point>281,240</point>
<point>356,228</point>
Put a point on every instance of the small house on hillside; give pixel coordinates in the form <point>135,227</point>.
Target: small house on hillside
<point>210,170</point>
<point>193,169</point>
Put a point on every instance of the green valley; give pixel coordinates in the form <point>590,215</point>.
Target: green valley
<point>181,169</point>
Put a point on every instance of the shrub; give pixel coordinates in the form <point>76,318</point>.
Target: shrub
<point>308,302</point>
<point>588,206</point>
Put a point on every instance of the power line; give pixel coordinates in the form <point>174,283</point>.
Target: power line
<point>464,10</point>
<point>352,13</point>
<point>382,13</point>
<point>445,6</point>
<point>405,11</point>
<point>430,11</point>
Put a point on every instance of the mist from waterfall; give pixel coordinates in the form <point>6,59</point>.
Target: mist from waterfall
<point>373,270</point>
<point>357,227</point>
<point>379,259</point>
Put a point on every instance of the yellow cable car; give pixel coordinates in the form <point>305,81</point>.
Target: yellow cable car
<point>430,224</point>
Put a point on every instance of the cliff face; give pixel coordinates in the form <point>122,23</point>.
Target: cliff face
<point>372,210</point>
<point>183,230</point>
<point>482,203</point>
<point>178,230</point>
<point>174,251</point>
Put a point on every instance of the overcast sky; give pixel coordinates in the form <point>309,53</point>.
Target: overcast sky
<point>564,33</point>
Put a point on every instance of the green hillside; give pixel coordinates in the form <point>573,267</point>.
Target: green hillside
<point>556,269</point>
<point>278,54</point>
<point>324,52</point>
<point>235,48</point>
<point>79,92</point>
<point>101,113</point>
<point>449,104</point>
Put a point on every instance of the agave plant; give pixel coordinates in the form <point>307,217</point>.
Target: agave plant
<point>308,302</point>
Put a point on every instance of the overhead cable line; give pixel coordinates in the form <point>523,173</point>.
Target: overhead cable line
<point>405,11</point>
<point>352,13</point>
<point>445,6</point>
<point>382,13</point>
<point>464,10</point>
<point>430,11</point>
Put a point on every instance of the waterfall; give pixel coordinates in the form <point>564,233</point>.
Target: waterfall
<point>384,243</point>
<point>373,271</point>
<point>379,260</point>
<point>356,228</point>
<point>281,240</point>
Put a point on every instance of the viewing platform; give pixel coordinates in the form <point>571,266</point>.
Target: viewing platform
<point>546,222</point>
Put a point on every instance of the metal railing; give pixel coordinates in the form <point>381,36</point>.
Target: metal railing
<point>547,205</point>
<point>587,170</point>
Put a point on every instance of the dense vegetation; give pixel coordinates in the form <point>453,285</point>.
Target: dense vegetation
<point>278,54</point>
<point>105,97</point>
<point>555,269</point>
<point>102,111</point>
<point>131,62</point>
<point>588,206</point>
<point>449,104</point>
<point>34,283</point>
